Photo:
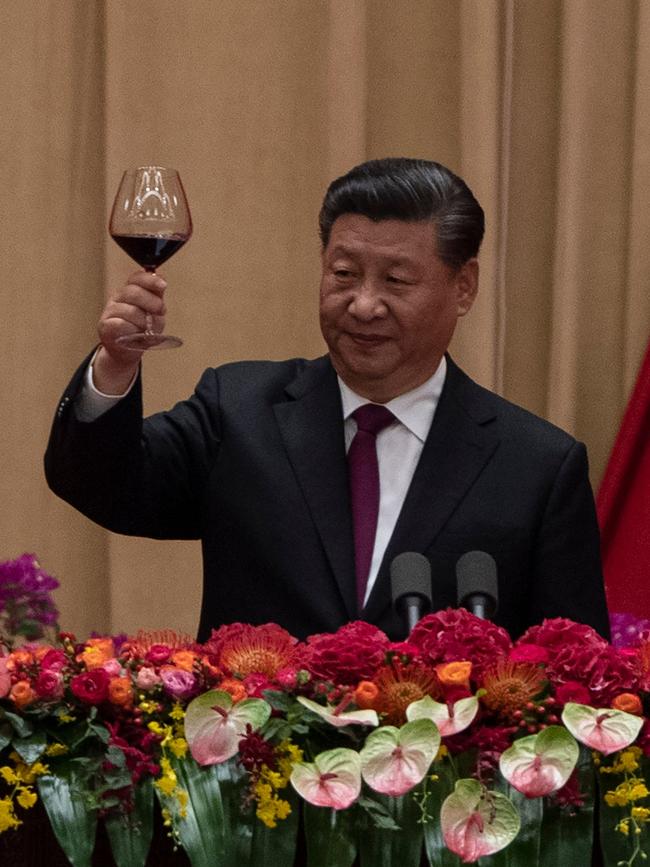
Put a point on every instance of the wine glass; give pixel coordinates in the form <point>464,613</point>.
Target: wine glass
<point>150,221</point>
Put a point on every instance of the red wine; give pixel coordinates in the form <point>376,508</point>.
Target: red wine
<point>150,251</point>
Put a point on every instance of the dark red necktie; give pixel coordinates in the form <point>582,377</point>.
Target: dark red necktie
<point>364,487</point>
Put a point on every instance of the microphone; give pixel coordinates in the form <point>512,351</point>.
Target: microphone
<point>410,580</point>
<point>476,582</point>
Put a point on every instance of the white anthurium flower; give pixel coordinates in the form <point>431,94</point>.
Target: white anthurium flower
<point>333,779</point>
<point>214,725</point>
<point>449,718</point>
<point>394,760</point>
<point>345,718</point>
<point>475,822</point>
<point>542,763</point>
<point>604,729</point>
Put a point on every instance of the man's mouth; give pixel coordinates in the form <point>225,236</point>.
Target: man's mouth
<point>367,340</point>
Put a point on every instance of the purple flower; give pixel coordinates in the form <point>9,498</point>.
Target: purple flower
<point>177,682</point>
<point>26,606</point>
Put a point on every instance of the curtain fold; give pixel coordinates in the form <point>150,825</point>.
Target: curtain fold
<point>542,106</point>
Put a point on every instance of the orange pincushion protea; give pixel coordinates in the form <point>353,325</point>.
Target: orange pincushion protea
<point>140,644</point>
<point>398,686</point>
<point>242,650</point>
<point>509,685</point>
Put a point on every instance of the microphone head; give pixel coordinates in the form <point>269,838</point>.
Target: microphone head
<point>476,575</point>
<point>410,575</point>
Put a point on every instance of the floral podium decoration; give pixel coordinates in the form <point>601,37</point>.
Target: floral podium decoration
<point>457,743</point>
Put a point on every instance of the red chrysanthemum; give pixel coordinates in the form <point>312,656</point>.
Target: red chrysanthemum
<point>351,654</point>
<point>456,634</point>
<point>242,650</point>
<point>599,668</point>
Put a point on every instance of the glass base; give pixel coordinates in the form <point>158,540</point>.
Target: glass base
<point>148,340</point>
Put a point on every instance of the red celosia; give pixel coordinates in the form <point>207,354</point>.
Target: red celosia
<point>455,634</point>
<point>351,654</point>
<point>255,751</point>
<point>598,667</point>
<point>557,633</point>
<point>533,653</point>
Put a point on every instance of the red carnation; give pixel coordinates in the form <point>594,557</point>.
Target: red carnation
<point>351,654</point>
<point>456,634</point>
<point>91,686</point>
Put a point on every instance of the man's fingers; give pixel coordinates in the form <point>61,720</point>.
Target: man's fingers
<point>152,282</point>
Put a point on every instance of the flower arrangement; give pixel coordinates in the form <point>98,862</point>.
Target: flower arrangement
<point>458,743</point>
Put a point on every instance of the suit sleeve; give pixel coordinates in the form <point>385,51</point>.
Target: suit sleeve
<point>134,476</point>
<point>567,571</point>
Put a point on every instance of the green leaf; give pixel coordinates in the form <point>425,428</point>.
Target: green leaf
<point>381,847</point>
<point>567,836</point>
<point>74,825</point>
<point>378,814</point>
<point>201,832</point>
<point>5,736</point>
<point>331,836</point>
<point>31,748</point>
<point>22,727</point>
<point>130,834</point>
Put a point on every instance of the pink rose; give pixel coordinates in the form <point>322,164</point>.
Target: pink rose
<point>177,682</point>
<point>5,677</point>
<point>146,678</point>
<point>49,684</point>
<point>112,667</point>
<point>54,660</point>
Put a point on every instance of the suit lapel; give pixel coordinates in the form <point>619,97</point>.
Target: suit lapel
<point>311,425</point>
<point>461,441</point>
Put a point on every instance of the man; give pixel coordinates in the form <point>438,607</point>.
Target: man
<point>254,463</point>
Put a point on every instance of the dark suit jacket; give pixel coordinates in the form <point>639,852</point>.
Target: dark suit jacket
<point>254,465</point>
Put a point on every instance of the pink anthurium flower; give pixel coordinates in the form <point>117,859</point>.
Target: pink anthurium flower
<point>476,822</point>
<point>542,763</point>
<point>214,727</point>
<point>394,760</point>
<point>449,718</point>
<point>603,729</point>
<point>345,718</point>
<point>333,779</point>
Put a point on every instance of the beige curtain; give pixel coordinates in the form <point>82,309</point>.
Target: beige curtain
<point>542,105</point>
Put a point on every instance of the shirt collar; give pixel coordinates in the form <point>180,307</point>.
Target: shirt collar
<point>414,409</point>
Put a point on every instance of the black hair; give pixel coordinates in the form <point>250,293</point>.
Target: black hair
<point>399,188</point>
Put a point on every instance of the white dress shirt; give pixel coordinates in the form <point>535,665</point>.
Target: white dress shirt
<point>399,446</point>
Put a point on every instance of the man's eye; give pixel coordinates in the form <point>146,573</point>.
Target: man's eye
<point>342,273</point>
<point>393,278</point>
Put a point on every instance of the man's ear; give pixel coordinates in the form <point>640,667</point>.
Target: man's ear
<point>467,285</point>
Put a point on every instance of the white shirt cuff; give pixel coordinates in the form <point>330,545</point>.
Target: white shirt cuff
<point>91,402</point>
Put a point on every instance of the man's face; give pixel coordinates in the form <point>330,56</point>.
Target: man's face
<point>388,304</point>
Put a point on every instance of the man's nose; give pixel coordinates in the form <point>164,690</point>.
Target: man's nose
<point>367,303</point>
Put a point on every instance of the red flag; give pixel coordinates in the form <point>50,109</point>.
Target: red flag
<point>623,504</point>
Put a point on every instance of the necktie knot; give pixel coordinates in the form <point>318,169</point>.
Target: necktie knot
<point>373,418</point>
